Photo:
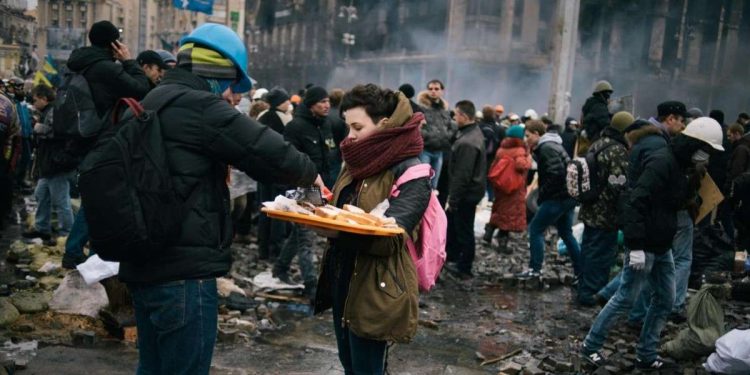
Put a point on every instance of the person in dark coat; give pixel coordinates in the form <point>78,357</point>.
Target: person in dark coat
<point>569,136</point>
<point>53,188</point>
<point>717,169</point>
<point>739,166</point>
<point>556,207</point>
<point>271,233</point>
<point>310,132</point>
<point>657,188</point>
<point>339,129</point>
<point>108,81</point>
<point>468,177</point>
<point>437,132</point>
<point>493,135</point>
<point>596,114</point>
<point>175,293</point>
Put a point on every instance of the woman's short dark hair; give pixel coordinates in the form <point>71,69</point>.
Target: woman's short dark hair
<point>377,102</point>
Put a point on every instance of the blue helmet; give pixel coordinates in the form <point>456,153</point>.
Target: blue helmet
<point>225,41</point>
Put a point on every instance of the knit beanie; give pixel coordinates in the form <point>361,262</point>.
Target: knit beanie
<point>622,120</point>
<point>276,96</point>
<point>313,95</point>
<point>205,62</point>
<point>103,33</point>
<point>515,131</point>
<point>407,89</point>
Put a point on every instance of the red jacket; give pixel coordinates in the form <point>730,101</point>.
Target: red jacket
<point>509,210</point>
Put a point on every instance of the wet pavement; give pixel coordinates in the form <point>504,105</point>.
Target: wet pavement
<point>462,325</point>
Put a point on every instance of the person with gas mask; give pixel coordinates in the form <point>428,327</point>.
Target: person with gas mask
<point>595,115</point>
<point>662,177</point>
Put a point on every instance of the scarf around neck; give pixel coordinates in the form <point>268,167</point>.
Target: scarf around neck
<point>400,139</point>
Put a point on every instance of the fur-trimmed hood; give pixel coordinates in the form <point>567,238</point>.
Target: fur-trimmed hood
<point>636,135</point>
<point>424,100</point>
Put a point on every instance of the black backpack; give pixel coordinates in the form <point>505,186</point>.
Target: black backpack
<point>131,206</point>
<point>74,113</point>
<point>582,179</point>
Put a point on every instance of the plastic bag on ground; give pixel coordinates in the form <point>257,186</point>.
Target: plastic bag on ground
<point>94,269</point>
<point>732,354</point>
<point>74,296</point>
<point>705,324</point>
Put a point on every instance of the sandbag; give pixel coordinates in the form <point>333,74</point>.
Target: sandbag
<point>732,354</point>
<point>74,296</point>
<point>705,324</point>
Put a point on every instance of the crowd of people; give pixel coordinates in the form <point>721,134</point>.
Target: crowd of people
<point>646,173</point>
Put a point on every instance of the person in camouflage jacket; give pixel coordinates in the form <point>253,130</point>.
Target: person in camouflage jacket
<point>599,245</point>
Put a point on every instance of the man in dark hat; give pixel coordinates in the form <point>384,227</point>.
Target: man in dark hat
<point>671,117</point>
<point>310,132</point>
<point>109,81</point>
<point>153,66</point>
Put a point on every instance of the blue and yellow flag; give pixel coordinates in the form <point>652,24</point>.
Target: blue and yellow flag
<point>39,79</point>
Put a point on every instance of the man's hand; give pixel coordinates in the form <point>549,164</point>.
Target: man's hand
<point>319,183</point>
<point>120,51</point>
<point>637,260</point>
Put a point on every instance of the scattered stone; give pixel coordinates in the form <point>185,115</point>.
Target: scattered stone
<point>30,302</point>
<point>23,284</point>
<point>24,327</point>
<point>84,339</point>
<point>49,282</point>
<point>564,367</point>
<point>8,312</point>
<point>4,290</point>
<point>511,368</point>
<point>227,335</point>
<point>532,370</point>
<point>21,364</point>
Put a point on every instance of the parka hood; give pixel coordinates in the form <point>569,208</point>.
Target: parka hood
<point>636,135</point>
<point>550,137</point>
<point>86,56</point>
<point>424,100</point>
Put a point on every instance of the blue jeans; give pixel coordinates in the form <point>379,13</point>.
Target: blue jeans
<point>78,237</point>
<point>176,326</point>
<point>659,271</point>
<point>300,243</point>
<point>682,251</point>
<point>598,254</point>
<point>611,288</point>
<point>53,193</point>
<point>560,213</point>
<point>435,160</point>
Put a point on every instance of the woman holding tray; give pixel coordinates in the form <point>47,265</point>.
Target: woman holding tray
<point>370,281</point>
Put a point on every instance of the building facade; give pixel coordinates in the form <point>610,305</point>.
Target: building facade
<point>503,51</point>
<point>17,33</point>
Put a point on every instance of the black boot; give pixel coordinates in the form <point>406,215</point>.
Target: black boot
<point>489,231</point>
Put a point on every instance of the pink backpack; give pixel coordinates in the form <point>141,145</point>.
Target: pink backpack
<point>428,253</point>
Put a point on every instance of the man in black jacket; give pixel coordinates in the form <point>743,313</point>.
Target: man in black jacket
<point>109,81</point>
<point>657,188</point>
<point>174,293</point>
<point>596,114</point>
<point>53,188</point>
<point>468,178</point>
<point>556,207</point>
<point>271,232</point>
<point>310,132</point>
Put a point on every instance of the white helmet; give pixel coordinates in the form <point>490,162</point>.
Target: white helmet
<point>260,93</point>
<point>707,130</point>
<point>530,113</point>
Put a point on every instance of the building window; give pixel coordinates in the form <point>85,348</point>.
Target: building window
<point>68,7</point>
<point>55,6</point>
<point>55,23</point>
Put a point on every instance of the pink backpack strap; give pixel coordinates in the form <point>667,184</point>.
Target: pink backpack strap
<point>412,173</point>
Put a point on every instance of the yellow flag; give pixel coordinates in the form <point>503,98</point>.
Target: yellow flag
<point>39,78</point>
<point>48,68</point>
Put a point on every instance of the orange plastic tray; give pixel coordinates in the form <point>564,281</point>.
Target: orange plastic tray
<point>321,222</point>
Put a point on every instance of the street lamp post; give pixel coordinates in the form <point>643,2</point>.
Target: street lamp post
<point>350,13</point>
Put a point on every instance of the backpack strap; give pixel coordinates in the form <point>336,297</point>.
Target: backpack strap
<point>412,173</point>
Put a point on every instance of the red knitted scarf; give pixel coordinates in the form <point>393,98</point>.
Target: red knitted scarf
<point>383,148</point>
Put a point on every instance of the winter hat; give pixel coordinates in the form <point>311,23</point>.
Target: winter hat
<point>407,89</point>
<point>695,112</point>
<point>295,99</point>
<point>150,57</point>
<point>276,96</point>
<point>621,120</point>
<point>103,33</point>
<point>166,56</point>
<point>314,95</point>
<point>515,131</point>
<point>206,62</point>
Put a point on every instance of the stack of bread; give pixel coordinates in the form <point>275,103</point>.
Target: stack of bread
<point>353,215</point>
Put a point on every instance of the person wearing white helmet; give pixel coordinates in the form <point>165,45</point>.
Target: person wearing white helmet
<point>259,94</point>
<point>663,179</point>
<point>529,115</point>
